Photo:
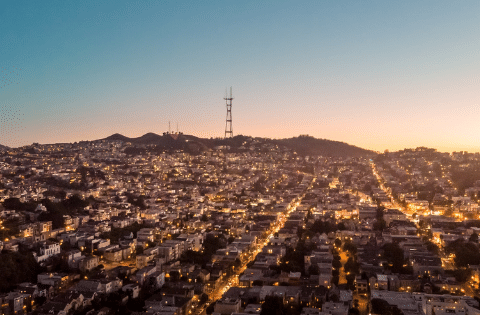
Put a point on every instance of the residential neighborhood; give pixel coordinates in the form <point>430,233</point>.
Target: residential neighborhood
<point>103,227</point>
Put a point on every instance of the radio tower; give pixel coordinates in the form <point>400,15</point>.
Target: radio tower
<point>228,122</point>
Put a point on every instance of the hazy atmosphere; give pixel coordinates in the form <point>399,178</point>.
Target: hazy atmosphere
<point>376,74</point>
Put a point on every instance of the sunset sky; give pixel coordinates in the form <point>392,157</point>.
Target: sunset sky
<point>376,74</point>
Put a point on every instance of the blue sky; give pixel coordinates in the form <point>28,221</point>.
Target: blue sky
<point>377,74</point>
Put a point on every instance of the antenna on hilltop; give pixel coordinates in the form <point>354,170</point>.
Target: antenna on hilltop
<point>228,122</point>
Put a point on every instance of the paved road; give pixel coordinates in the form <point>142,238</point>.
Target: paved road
<point>233,280</point>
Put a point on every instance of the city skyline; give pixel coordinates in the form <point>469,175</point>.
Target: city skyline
<point>375,75</point>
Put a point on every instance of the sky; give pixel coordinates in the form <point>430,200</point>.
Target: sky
<point>375,74</point>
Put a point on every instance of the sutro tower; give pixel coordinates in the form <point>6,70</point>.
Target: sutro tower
<point>228,122</point>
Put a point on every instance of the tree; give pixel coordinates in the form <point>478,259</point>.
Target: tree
<point>334,298</point>
<point>138,201</point>
<point>273,305</point>
<point>210,308</point>
<point>336,264</point>
<point>16,204</point>
<point>473,238</point>
<point>203,299</point>
<point>313,270</point>
<point>335,280</point>
<point>466,253</point>
<point>380,306</point>
<point>379,224</point>
<point>462,274</point>
<point>75,202</point>
<point>54,213</point>
<point>353,311</point>
<point>341,226</point>
<point>351,266</point>
<point>350,281</point>
<point>17,268</point>
<point>320,226</point>
<point>174,275</point>
<point>348,246</point>
<point>337,242</point>
<point>394,256</point>
<point>356,303</point>
<point>432,247</point>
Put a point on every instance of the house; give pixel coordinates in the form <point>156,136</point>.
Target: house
<point>361,285</point>
<point>201,275</point>
<point>15,302</point>
<point>156,279</point>
<point>56,280</point>
<point>249,277</point>
<point>88,286</point>
<point>108,286</point>
<point>133,290</point>
<point>88,263</point>
<point>145,235</point>
<point>47,250</point>
<point>426,264</point>
<point>53,308</point>
<point>228,306</point>
<point>113,255</point>
<point>168,304</point>
<point>143,274</point>
<point>335,308</point>
<point>142,260</point>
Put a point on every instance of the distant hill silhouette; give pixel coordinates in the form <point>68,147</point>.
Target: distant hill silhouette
<point>163,142</point>
<point>118,137</point>
<point>303,145</point>
<point>307,145</point>
<point>2,147</point>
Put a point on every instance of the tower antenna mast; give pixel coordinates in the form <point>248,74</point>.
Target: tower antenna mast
<point>228,121</point>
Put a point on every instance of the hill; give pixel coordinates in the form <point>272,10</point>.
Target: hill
<point>306,145</point>
<point>2,147</point>
<point>165,142</point>
<point>303,145</point>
